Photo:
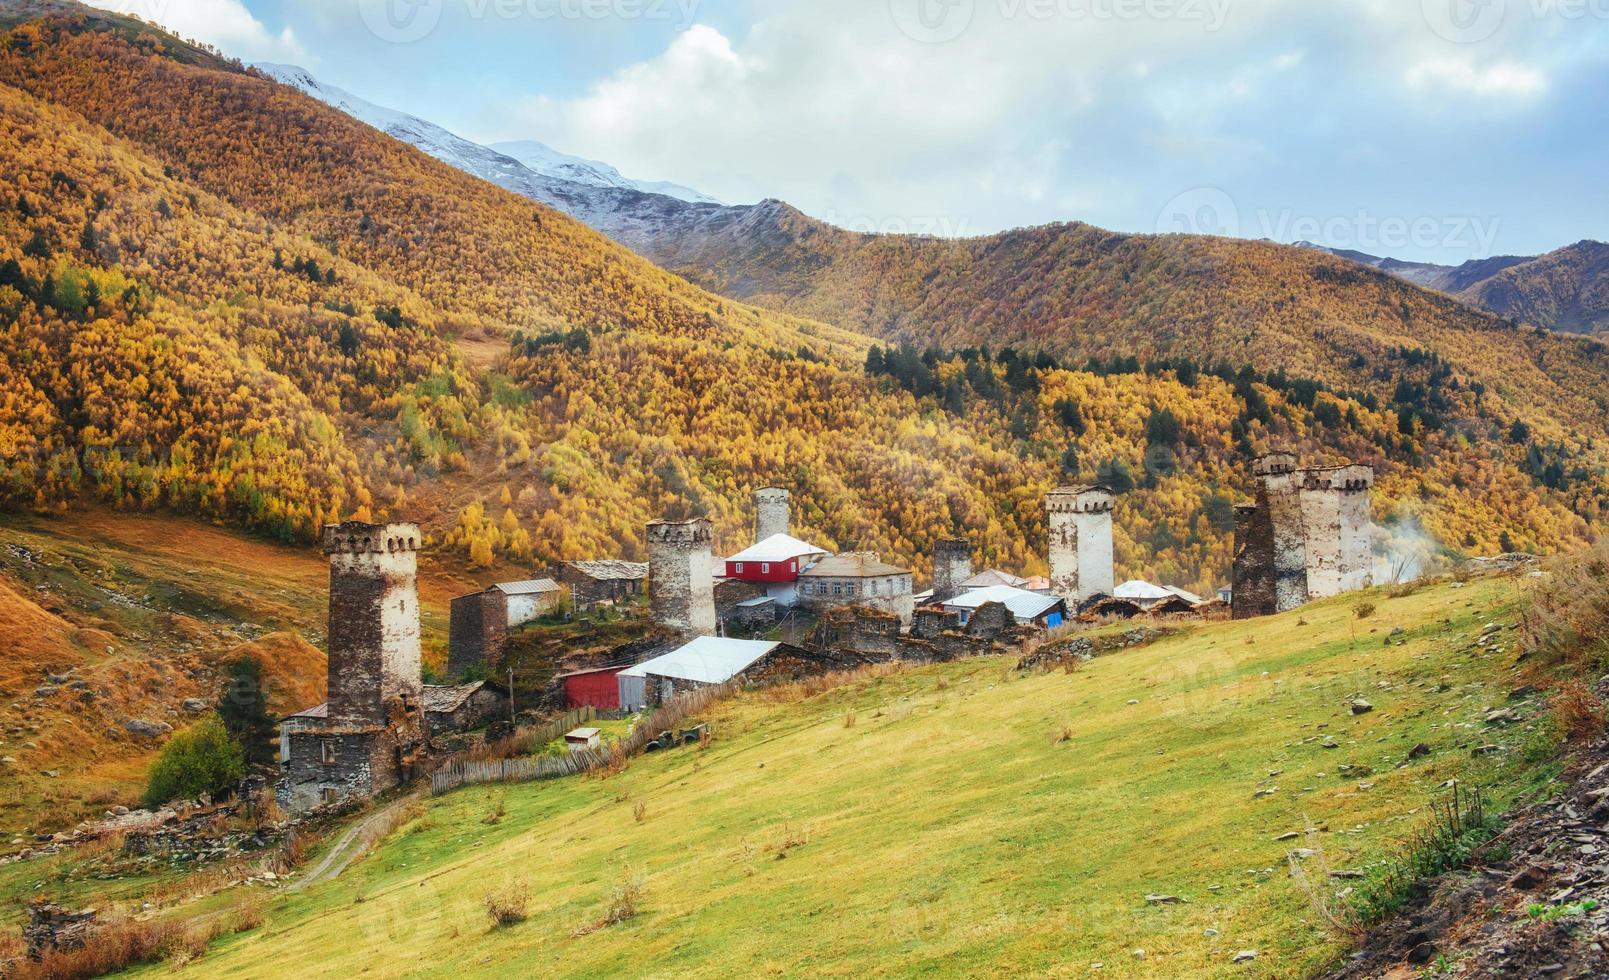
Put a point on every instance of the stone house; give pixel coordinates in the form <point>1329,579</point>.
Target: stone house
<point>477,631</point>
<point>608,581</point>
<point>530,600</point>
<point>462,708</point>
<point>709,660</point>
<point>1025,608</point>
<point>858,579</point>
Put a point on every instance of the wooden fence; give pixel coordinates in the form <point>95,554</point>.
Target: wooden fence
<point>464,769</point>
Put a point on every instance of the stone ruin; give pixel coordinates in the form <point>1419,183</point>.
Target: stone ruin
<point>952,565</point>
<point>374,732</point>
<point>1307,536</point>
<point>771,516</point>
<point>51,927</point>
<point>681,576</point>
<point>1080,526</point>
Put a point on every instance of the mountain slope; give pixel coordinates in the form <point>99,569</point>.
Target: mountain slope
<point>962,820</point>
<point>336,323</point>
<point>543,159</point>
<point>1566,290</point>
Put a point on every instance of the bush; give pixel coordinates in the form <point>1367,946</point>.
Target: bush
<point>1567,625</point>
<point>508,907</point>
<point>200,759</point>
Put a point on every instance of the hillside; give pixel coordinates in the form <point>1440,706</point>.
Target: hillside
<point>1567,289</point>
<point>226,298</point>
<point>1030,818</point>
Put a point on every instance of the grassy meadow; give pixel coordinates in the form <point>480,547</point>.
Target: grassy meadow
<point>960,819</point>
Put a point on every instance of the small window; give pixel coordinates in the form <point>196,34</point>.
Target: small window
<point>793,566</point>
<point>765,568</point>
<point>739,567</point>
<point>327,750</point>
<point>327,794</point>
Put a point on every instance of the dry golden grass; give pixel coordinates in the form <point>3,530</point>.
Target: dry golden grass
<point>509,905</point>
<point>1567,624</point>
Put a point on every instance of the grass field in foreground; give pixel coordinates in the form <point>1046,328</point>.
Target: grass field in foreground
<point>945,830</point>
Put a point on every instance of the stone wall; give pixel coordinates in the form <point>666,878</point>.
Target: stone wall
<point>1307,537</point>
<point>1079,520</point>
<point>681,576</point>
<point>930,622</point>
<point>477,631</point>
<point>989,621</point>
<point>889,593</point>
<point>771,513</point>
<point>858,631</point>
<point>952,565</point>
<point>1253,585</point>
<point>359,763</point>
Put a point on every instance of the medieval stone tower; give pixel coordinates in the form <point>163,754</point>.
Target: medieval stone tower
<point>1080,524</point>
<point>681,575</point>
<point>952,565</point>
<point>1307,537</point>
<point>374,623</point>
<point>1337,518</point>
<point>771,515</point>
<point>1279,490</point>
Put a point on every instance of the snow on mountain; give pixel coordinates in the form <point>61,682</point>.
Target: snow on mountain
<point>594,193</point>
<point>543,159</point>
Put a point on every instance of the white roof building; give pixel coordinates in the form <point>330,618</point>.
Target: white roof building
<point>706,660</point>
<point>1146,595</point>
<point>1026,606</point>
<point>777,548</point>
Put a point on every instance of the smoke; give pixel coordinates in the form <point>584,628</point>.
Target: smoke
<point>1403,551</point>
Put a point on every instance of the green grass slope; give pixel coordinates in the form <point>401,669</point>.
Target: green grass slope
<point>948,829</point>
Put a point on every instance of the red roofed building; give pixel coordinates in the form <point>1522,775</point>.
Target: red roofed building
<point>778,559</point>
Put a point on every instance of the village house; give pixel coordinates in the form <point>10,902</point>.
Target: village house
<point>478,623</point>
<point>1026,608</point>
<point>776,564</point>
<point>711,660</point>
<point>990,577</point>
<point>858,579</point>
<point>461,708</point>
<point>528,601</point>
<point>611,581</point>
<point>595,687</point>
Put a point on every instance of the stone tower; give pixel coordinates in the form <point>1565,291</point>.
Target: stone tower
<point>374,624</point>
<point>1279,490</point>
<point>1080,524</point>
<point>771,515</point>
<point>1336,519</point>
<point>681,575</point>
<point>1253,583</point>
<point>952,565</point>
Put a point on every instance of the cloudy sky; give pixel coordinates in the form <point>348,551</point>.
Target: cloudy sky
<point>1426,129</point>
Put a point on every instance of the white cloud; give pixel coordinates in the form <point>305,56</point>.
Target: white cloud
<point>225,24</point>
<point>1505,78</point>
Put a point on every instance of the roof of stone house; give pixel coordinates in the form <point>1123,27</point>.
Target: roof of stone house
<point>778,547</point>
<point>316,711</point>
<point>1083,488</point>
<point>1141,591</point>
<point>1022,603</point>
<point>610,569</point>
<point>1189,597</point>
<point>756,602</point>
<point>853,566</point>
<point>533,587</point>
<point>1037,583</point>
<point>993,576</point>
<point>706,660</point>
<point>450,698</point>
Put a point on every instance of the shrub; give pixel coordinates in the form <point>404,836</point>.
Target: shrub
<point>1567,625</point>
<point>200,759</point>
<point>1579,711</point>
<point>508,907</point>
<point>1364,610</point>
<point>624,903</point>
<point>1458,825</point>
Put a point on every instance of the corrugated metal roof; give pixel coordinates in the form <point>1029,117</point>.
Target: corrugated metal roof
<point>1022,603</point>
<point>756,602</point>
<point>706,660</point>
<point>778,547</point>
<point>317,711</point>
<point>1141,592</point>
<point>533,587</point>
<point>853,566</point>
<point>993,576</point>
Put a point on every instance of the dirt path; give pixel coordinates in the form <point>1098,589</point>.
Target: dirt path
<point>353,844</point>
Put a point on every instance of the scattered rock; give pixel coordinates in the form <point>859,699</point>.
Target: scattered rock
<point>1285,837</point>
<point>1502,716</point>
<point>1486,750</point>
<point>1245,956</point>
<point>194,706</point>
<point>1419,751</point>
<point>1330,743</point>
<point>1361,707</point>
<point>1163,900</point>
<point>1139,954</point>
<point>146,729</point>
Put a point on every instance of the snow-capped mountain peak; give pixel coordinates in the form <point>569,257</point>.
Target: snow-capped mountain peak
<point>543,159</point>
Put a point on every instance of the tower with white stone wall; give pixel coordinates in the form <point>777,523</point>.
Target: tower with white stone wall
<point>1337,519</point>
<point>1079,521</point>
<point>681,576</point>
<point>374,669</point>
